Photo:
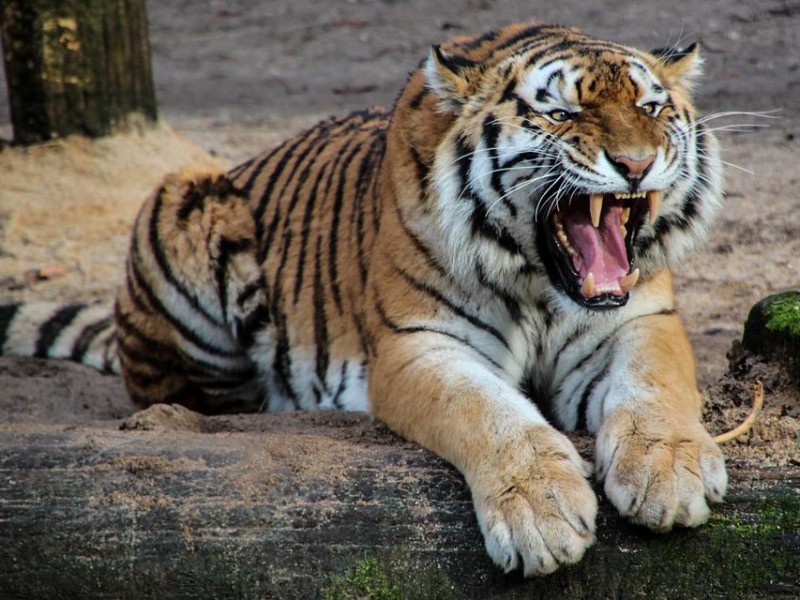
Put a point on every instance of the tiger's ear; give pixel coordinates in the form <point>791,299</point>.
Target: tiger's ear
<point>450,77</point>
<point>680,66</point>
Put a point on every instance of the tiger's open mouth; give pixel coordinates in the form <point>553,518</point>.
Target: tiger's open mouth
<point>590,245</point>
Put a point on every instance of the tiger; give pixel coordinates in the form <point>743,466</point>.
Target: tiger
<point>483,267</point>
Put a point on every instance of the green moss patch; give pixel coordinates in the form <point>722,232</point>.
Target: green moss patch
<point>389,577</point>
<point>772,330</point>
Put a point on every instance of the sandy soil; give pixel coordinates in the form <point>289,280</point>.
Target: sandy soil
<point>234,77</point>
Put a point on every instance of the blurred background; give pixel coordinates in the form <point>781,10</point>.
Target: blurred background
<point>223,68</point>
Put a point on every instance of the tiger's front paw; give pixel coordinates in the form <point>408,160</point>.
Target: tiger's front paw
<point>659,472</point>
<point>534,504</point>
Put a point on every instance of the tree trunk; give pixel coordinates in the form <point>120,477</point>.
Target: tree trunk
<point>328,506</point>
<point>76,66</point>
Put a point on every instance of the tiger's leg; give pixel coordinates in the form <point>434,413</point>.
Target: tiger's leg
<point>192,298</point>
<point>658,463</point>
<point>528,482</point>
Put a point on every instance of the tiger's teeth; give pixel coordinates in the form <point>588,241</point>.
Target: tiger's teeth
<point>595,208</point>
<point>654,202</point>
<point>626,214</point>
<point>627,196</point>
<point>627,283</point>
<point>587,288</point>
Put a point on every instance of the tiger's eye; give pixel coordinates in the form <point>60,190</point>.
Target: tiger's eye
<point>651,108</point>
<point>559,115</point>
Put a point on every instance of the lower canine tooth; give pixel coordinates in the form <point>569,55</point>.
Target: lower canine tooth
<point>654,202</point>
<point>587,289</point>
<point>627,283</point>
<point>595,208</point>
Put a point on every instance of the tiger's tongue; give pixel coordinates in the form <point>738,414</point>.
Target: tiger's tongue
<point>600,251</point>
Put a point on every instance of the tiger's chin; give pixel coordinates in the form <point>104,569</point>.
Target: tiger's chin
<point>588,245</point>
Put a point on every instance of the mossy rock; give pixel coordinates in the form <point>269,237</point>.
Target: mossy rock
<point>772,330</point>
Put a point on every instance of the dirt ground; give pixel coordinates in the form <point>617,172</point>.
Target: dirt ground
<point>234,77</point>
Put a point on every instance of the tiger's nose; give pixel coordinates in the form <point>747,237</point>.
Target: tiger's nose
<point>631,168</point>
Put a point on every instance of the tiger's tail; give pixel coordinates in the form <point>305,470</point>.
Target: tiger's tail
<point>84,333</point>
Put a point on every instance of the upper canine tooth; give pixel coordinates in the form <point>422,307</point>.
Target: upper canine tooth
<point>627,283</point>
<point>654,202</point>
<point>626,214</point>
<point>595,208</point>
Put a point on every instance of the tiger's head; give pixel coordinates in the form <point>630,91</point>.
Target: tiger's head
<point>556,154</point>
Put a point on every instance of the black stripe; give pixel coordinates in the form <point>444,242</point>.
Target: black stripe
<point>559,50</point>
<point>249,291</point>
<point>528,32</point>
<point>491,131</point>
<point>247,187</point>
<point>583,405</point>
<point>416,101</point>
<point>126,327</point>
<point>511,303</point>
<point>489,36</point>
<point>337,402</point>
<point>403,330</point>
<point>7,314</point>
<point>289,149</point>
<point>453,62</point>
<point>509,92</point>
<point>321,340</point>
<point>557,74</point>
<point>529,156</point>
<point>88,335</point>
<point>439,297</point>
<point>690,209</point>
<point>159,356</point>
<point>376,152</point>
<point>523,109</point>
<point>426,252</point>
<point>333,236</point>
<point>159,363</point>
<point>282,363</point>
<point>198,192</point>
<point>310,137</point>
<point>421,168</point>
<point>227,248</point>
<point>305,230</point>
<point>52,328</point>
<point>542,95</point>
<point>584,330</point>
<point>308,161</point>
<point>241,168</point>
<point>363,334</point>
<point>186,331</point>
<point>199,368</point>
<point>495,233</point>
<point>376,206</point>
<point>257,320</point>
<point>164,264</point>
<point>463,153</point>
